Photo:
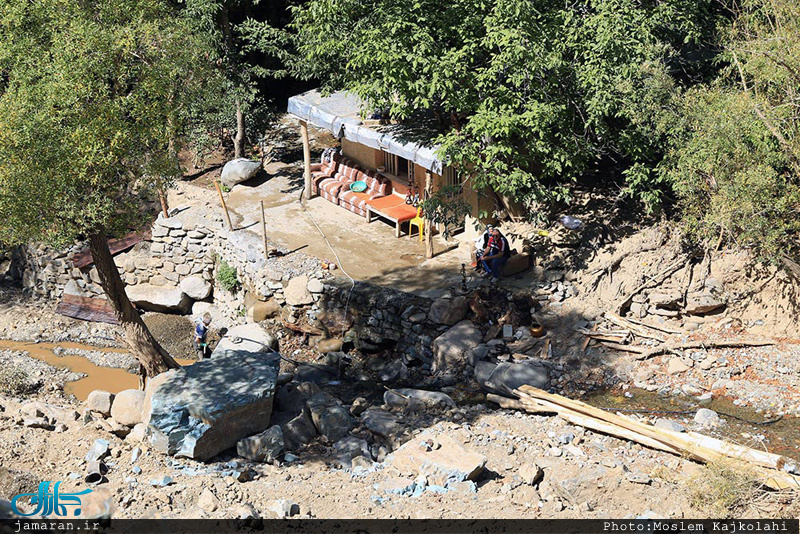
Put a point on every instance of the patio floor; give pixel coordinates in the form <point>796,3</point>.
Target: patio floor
<point>368,252</point>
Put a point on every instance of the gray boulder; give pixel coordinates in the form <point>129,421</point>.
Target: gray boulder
<point>164,299</point>
<point>350,447</point>
<point>263,447</point>
<point>394,371</point>
<point>450,349</point>
<point>381,422</point>
<point>432,399</point>
<point>448,311</point>
<point>239,170</point>
<point>331,419</point>
<point>297,429</point>
<point>507,376</point>
<point>195,287</point>
<point>246,338</point>
<point>707,418</point>
<point>203,409</point>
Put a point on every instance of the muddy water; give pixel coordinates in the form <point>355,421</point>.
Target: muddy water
<point>106,378</point>
<point>741,423</point>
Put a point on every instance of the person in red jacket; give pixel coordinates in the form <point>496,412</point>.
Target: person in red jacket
<point>496,254</point>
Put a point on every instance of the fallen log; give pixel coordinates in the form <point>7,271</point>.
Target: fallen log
<point>695,446</point>
<point>303,329</point>
<point>669,347</point>
<point>654,327</point>
<point>625,348</point>
<point>631,326</point>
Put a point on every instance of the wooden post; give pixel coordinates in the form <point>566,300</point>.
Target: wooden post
<point>162,196</point>
<point>428,222</point>
<point>224,206</point>
<point>264,229</point>
<point>306,157</point>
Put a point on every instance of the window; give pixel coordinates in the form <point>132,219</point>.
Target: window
<point>451,178</point>
<point>398,167</point>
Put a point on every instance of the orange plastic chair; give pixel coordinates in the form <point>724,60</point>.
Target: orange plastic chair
<point>417,221</point>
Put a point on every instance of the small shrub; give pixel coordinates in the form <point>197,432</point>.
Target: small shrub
<point>14,381</point>
<point>725,490</point>
<point>227,277</point>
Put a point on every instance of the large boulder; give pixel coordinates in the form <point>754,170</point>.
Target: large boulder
<point>405,397</point>
<point>203,409</point>
<point>437,456</point>
<point>239,170</point>
<point>296,292</point>
<point>127,407</point>
<point>506,377</point>
<point>195,287</point>
<point>702,303</point>
<point>100,401</point>
<point>448,311</point>
<point>263,447</point>
<point>331,419</point>
<point>246,338</point>
<point>163,299</point>
<point>298,429</point>
<point>261,311</point>
<point>449,349</point>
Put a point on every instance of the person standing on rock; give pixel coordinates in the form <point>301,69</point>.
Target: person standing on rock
<point>200,334</point>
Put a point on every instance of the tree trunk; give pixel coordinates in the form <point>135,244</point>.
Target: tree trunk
<point>162,196</point>
<point>239,139</point>
<point>233,74</point>
<point>144,347</point>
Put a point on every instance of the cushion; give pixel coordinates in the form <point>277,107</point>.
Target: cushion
<point>331,186</point>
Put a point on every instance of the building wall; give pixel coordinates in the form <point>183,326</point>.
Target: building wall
<point>367,157</point>
<point>370,158</point>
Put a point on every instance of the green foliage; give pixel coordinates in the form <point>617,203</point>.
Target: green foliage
<point>536,92</point>
<point>94,100</point>
<point>227,277</point>
<point>246,51</point>
<point>734,145</point>
<point>730,174</point>
<point>446,208</point>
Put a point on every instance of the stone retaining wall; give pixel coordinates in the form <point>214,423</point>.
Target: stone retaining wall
<point>289,288</point>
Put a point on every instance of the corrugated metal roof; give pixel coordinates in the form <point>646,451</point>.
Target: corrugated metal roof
<point>341,114</point>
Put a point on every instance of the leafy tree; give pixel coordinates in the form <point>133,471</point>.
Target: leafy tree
<point>94,98</point>
<point>734,145</point>
<point>531,93</point>
<point>247,50</point>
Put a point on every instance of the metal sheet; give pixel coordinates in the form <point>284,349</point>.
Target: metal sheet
<point>87,309</point>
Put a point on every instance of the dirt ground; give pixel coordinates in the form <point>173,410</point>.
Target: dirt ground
<point>585,474</point>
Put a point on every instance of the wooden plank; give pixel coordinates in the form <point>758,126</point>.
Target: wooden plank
<point>696,446</point>
<point>84,258</point>
<point>87,309</point>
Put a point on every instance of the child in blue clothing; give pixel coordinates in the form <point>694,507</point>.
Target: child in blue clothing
<point>200,333</point>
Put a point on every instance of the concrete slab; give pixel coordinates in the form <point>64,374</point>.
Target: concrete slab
<point>368,252</point>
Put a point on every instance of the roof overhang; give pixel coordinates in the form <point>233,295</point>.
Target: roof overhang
<point>340,113</point>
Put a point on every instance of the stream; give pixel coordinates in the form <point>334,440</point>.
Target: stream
<point>109,379</point>
<point>741,423</point>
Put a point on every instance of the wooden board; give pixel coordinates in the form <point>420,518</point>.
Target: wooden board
<point>87,309</point>
<point>84,258</point>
